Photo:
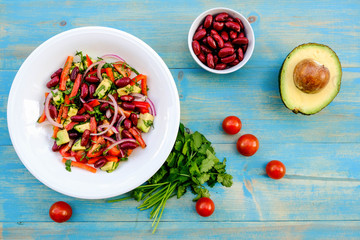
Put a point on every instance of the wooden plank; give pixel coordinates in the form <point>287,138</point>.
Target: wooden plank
<point>322,180</point>
<point>278,29</point>
<point>182,230</point>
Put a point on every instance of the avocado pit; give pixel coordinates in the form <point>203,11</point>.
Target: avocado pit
<point>310,76</point>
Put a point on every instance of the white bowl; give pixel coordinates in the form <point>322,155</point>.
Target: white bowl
<point>32,141</point>
<point>248,32</point>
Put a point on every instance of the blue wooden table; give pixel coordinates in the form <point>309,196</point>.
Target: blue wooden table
<point>318,198</point>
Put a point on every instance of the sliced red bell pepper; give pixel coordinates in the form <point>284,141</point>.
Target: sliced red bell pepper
<point>65,72</point>
<point>96,149</point>
<point>93,126</point>
<point>95,71</point>
<point>110,73</point>
<point>138,78</point>
<point>76,86</point>
<point>94,103</point>
<point>114,151</point>
<point>137,137</point>
<point>94,159</point>
<point>79,156</point>
<point>70,126</point>
<point>143,110</point>
<point>66,109</point>
<point>141,104</point>
<point>65,151</point>
<point>112,158</point>
<point>56,129</point>
<point>122,69</point>
<point>42,118</point>
<point>88,61</point>
<point>144,86</point>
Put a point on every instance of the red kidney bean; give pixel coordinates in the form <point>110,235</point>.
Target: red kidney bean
<point>221,17</point>
<point>202,57</point>
<point>57,73</point>
<point>229,19</point>
<point>196,47</point>
<point>235,62</point>
<point>127,124</point>
<point>211,42</point>
<point>205,49</point>
<point>218,26</point>
<point>240,40</point>
<point>128,106</point>
<point>53,111</point>
<point>228,44</point>
<point>233,34</point>
<point>73,135</point>
<point>92,79</point>
<point>226,51</point>
<point>53,82</point>
<point>199,34</point>
<point>127,98</point>
<point>134,119</point>
<point>80,118</point>
<point>204,41</point>
<point>100,163</point>
<point>200,27</point>
<point>225,36</point>
<point>128,145</point>
<point>210,60</point>
<point>244,47</point>
<point>92,89</point>
<point>85,137</point>
<point>122,82</point>
<point>216,59</point>
<point>74,73</point>
<point>233,25</point>
<point>213,32</point>
<point>84,90</point>
<point>208,21</point>
<point>228,59</point>
<point>242,34</point>
<point>126,134</point>
<point>239,22</point>
<point>88,107</point>
<point>55,147</point>
<point>219,40</point>
<point>240,54</point>
<point>220,66</point>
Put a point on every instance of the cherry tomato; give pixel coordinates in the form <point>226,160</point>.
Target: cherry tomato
<point>231,125</point>
<point>247,145</point>
<point>275,169</point>
<point>205,207</point>
<point>60,212</point>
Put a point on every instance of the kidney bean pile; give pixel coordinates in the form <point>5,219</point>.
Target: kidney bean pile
<point>220,41</point>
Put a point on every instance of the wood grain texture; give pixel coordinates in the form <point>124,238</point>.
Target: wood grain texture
<point>319,198</point>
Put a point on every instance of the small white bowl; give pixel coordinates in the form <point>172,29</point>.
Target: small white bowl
<point>248,32</point>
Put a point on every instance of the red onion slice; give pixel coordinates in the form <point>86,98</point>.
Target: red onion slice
<point>108,113</point>
<point>138,97</point>
<point>109,139</point>
<point>113,56</point>
<point>91,66</point>
<point>98,73</point>
<point>120,142</point>
<point>152,106</point>
<point>47,112</point>
<point>116,107</point>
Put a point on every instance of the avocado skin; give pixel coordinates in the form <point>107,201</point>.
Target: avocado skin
<point>279,78</point>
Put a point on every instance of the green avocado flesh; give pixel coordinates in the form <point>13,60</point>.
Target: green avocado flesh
<point>298,100</point>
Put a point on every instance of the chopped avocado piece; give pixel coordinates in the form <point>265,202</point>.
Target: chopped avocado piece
<point>103,88</point>
<point>72,111</point>
<point>58,98</point>
<point>82,127</point>
<point>110,166</point>
<point>66,121</point>
<point>117,75</point>
<point>62,137</point>
<point>145,122</point>
<point>77,146</point>
<point>310,78</point>
<point>128,89</point>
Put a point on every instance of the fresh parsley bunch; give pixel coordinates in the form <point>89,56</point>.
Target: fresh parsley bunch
<point>191,164</point>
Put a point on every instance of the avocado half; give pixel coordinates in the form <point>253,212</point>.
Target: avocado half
<point>300,101</point>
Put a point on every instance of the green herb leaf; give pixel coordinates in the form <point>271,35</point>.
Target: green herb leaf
<point>181,191</point>
<point>68,165</point>
<point>225,179</point>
